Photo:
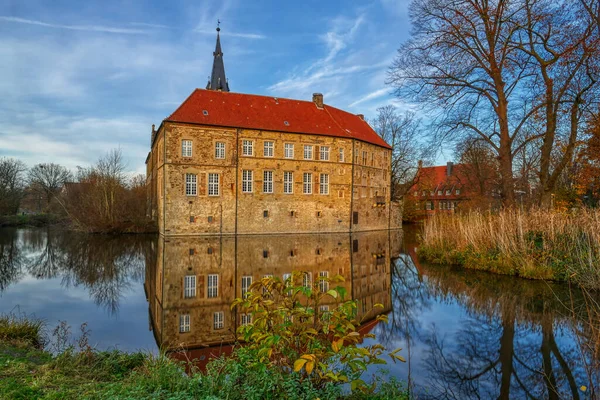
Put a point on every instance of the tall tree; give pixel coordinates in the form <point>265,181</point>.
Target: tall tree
<point>48,179</point>
<point>562,50</point>
<point>401,131</point>
<point>12,184</point>
<point>512,72</point>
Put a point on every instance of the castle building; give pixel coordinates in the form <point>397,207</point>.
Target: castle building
<point>232,163</point>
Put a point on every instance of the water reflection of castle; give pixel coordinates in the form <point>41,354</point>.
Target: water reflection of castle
<point>195,279</point>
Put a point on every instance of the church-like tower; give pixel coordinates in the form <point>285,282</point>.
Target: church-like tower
<point>217,80</point>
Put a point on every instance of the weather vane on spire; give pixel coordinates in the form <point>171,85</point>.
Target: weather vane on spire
<point>218,25</point>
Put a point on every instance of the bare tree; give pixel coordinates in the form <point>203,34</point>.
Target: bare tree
<point>562,47</point>
<point>12,183</point>
<point>401,131</point>
<point>48,179</point>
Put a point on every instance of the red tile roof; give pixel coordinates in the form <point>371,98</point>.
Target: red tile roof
<point>431,178</point>
<point>238,110</point>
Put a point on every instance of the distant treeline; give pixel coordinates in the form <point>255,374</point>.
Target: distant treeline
<point>101,198</point>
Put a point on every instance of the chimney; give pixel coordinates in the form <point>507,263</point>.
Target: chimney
<point>318,99</point>
<point>449,168</point>
<point>361,116</point>
<point>420,164</point>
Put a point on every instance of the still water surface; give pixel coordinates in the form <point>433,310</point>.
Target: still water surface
<point>465,334</point>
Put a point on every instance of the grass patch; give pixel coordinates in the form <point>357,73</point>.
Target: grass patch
<point>27,371</point>
<point>537,244</point>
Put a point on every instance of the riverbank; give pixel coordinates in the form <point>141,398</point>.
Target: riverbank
<point>536,244</point>
<point>32,220</point>
<point>77,371</point>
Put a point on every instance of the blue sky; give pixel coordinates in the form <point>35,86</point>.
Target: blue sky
<point>80,77</point>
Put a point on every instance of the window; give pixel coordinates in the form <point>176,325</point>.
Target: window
<point>424,193</point>
<point>213,286</point>
<point>191,185</point>
<point>220,150</point>
<point>307,183</point>
<point>268,149</point>
<point>448,192</point>
<point>415,194</point>
<point>439,192</point>
<point>266,213</point>
<point>247,148</point>
<point>190,286</point>
<point>364,158</point>
<point>247,180</point>
<point>324,184</point>
<point>308,152</point>
<point>429,205</point>
<point>246,282</point>
<point>341,157</point>
<point>324,308</point>
<point>213,184</point>
<point>324,153</point>
<point>218,320</point>
<point>307,280</point>
<point>457,192</point>
<point>268,182</point>
<point>323,283</point>
<point>288,182</point>
<point>186,148</point>
<point>288,150</point>
<point>285,279</point>
<point>246,319</point>
<point>184,323</point>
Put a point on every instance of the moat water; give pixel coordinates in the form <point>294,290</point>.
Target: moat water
<point>465,334</point>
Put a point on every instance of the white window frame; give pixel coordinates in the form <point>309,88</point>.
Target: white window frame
<point>457,192</point>
<point>288,182</point>
<point>287,276</point>
<point>191,185</point>
<point>186,148</point>
<point>213,184</point>
<point>307,183</point>
<point>247,181</point>
<point>189,284</point>
<point>247,147</point>
<point>185,323</point>
<point>288,149</point>
<point>218,320</point>
<point>245,319</point>
<point>220,150</point>
<point>323,284</point>
<point>307,280</point>
<point>268,182</point>
<point>268,148</point>
<point>324,184</point>
<point>448,192</point>
<point>246,283</point>
<point>212,286</point>
<point>308,151</point>
<point>324,153</point>
<point>341,155</point>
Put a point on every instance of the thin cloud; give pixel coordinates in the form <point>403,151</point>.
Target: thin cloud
<point>87,28</point>
<point>147,25</point>
<point>234,34</point>
<point>370,96</point>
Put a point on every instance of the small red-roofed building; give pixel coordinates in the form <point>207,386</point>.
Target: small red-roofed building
<point>448,189</point>
<point>234,163</point>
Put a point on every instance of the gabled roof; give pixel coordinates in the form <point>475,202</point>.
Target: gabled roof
<point>238,110</point>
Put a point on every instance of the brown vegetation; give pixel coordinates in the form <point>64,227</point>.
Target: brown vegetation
<point>537,244</point>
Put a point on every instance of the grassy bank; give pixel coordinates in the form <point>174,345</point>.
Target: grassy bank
<point>37,220</point>
<point>27,371</point>
<point>537,244</point>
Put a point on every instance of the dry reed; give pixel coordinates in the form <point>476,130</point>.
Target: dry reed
<point>536,244</point>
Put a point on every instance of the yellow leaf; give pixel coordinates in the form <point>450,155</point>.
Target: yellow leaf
<point>298,364</point>
<point>309,367</point>
<point>583,388</point>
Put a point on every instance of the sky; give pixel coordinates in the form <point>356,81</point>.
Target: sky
<point>79,78</point>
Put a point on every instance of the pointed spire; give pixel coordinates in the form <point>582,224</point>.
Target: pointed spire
<point>217,80</point>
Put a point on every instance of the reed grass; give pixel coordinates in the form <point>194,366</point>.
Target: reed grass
<point>535,244</point>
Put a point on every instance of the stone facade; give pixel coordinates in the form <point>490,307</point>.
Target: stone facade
<point>363,259</point>
<point>336,184</point>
